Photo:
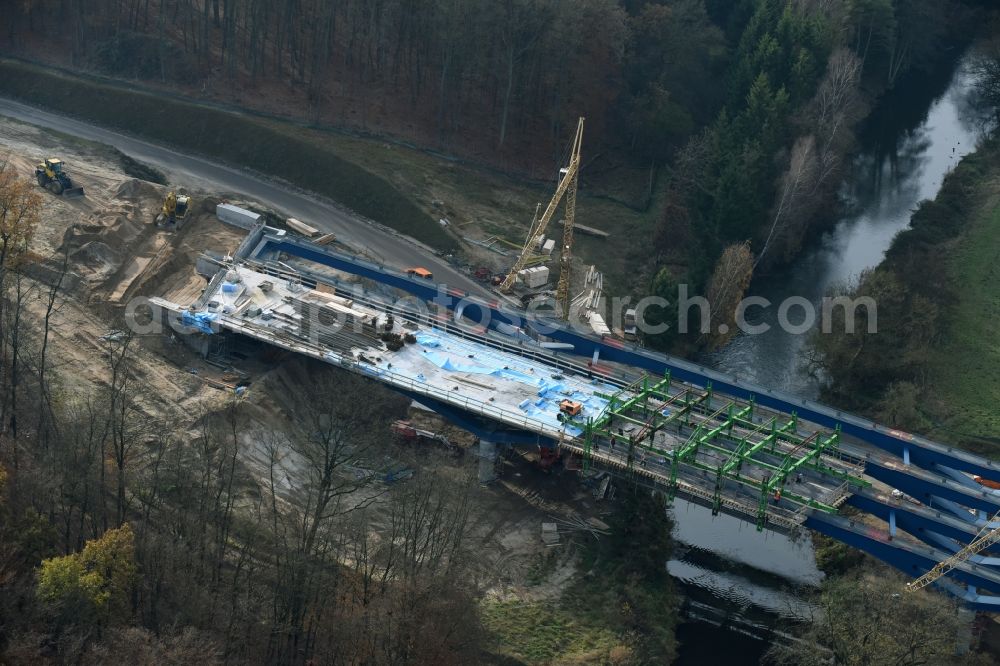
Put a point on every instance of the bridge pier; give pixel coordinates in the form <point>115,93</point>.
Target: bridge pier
<point>487,461</point>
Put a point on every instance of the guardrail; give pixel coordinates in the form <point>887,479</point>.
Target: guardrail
<point>393,378</point>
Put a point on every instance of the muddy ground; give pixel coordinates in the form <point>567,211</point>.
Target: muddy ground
<point>115,253</point>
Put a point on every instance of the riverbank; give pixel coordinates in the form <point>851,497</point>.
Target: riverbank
<point>913,138</point>
<point>903,160</point>
<point>932,365</point>
<point>964,387</point>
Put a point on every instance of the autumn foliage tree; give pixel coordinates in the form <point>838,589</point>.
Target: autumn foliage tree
<point>94,585</point>
<point>20,211</point>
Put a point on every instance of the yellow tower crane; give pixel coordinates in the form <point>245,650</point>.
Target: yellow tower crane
<point>568,179</point>
<point>986,538</point>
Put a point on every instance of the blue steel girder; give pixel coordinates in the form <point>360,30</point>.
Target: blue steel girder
<point>925,486</point>
<point>920,451</point>
<point>913,560</point>
<point>912,518</point>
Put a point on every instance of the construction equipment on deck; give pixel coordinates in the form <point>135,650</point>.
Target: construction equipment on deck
<point>420,272</point>
<point>51,176</point>
<point>570,408</point>
<point>568,179</point>
<point>986,538</point>
<point>174,210</point>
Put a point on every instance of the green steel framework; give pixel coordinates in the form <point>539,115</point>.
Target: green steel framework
<point>692,408</point>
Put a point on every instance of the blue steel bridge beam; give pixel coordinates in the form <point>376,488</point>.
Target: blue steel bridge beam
<point>952,547</point>
<point>912,559</point>
<point>912,518</point>
<point>926,487</point>
<point>932,527</point>
<point>921,452</point>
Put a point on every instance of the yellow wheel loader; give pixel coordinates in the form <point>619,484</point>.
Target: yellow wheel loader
<point>51,176</point>
<point>174,210</point>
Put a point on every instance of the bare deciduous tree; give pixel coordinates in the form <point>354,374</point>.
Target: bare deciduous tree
<point>726,288</point>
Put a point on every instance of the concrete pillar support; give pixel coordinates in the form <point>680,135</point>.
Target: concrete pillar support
<point>487,461</point>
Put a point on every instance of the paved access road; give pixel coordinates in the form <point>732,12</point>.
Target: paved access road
<point>199,174</point>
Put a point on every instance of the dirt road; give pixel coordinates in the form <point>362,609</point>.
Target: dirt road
<point>197,173</point>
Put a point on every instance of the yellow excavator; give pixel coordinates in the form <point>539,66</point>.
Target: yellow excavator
<point>174,210</point>
<point>51,176</point>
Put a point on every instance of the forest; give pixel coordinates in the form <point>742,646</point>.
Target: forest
<point>129,536</point>
<point>740,114</point>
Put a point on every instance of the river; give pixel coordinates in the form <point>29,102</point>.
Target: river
<point>741,585</point>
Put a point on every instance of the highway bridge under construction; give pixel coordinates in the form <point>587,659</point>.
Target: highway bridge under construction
<point>778,462</point>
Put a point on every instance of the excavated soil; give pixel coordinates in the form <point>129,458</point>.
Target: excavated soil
<point>115,253</point>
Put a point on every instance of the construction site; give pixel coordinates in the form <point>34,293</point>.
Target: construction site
<point>232,300</point>
<point>126,240</point>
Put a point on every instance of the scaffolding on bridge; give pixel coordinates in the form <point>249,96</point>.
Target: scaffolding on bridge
<point>752,462</point>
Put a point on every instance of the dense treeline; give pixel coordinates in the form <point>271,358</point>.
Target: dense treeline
<point>647,74</point>
<point>489,77</point>
<point>747,107</point>
<point>766,170</point>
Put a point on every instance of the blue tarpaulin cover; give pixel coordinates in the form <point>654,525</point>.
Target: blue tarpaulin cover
<point>200,320</point>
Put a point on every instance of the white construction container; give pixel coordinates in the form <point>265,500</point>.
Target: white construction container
<point>302,227</point>
<point>630,331</point>
<point>548,246</point>
<point>533,277</point>
<point>236,216</point>
<point>597,323</point>
<point>542,274</point>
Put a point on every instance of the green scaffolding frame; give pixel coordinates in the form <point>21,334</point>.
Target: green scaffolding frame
<point>713,429</point>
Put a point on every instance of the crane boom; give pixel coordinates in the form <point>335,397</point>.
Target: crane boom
<point>565,252</point>
<point>567,184</point>
<point>986,538</point>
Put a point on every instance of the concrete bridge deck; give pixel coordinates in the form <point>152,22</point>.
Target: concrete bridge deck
<point>743,450</point>
<point>738,448</point>
<point>907,446</point>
